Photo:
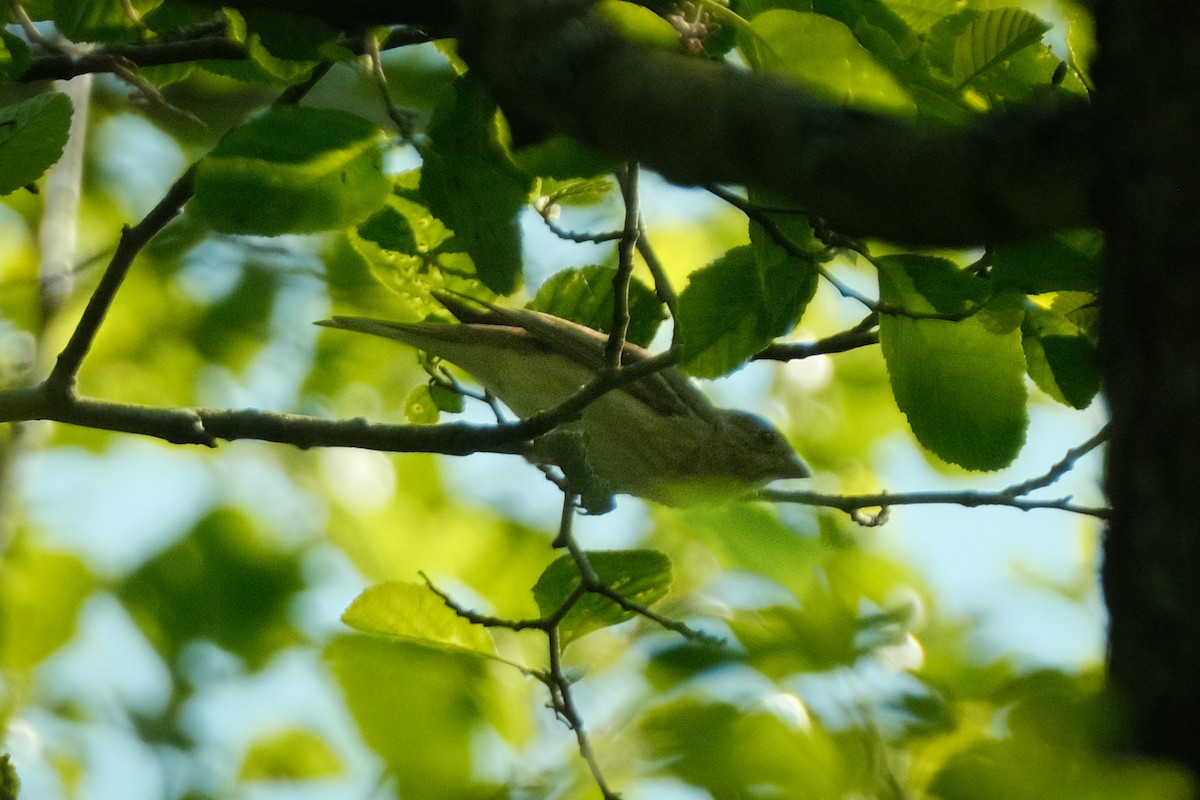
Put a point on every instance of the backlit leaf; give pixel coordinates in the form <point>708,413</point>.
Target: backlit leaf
<point>641,576</point>
<point>32,135</point>
<point>734,307</point>
<point>958,382</point>
<point>823,54</point>
<point>412,611</point>
<point>585,295</point>
<point>293,170</point>
<point>473,187</point>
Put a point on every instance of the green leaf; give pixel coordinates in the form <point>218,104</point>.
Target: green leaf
<point>921,15</point>
<point>639,24</point>
<point>33,133</point>
<point>990,38</point>
<point>1065,262</point>
<point>824,55</point>
<point>232,330</point>
<point>641,576</point>
<point>290,755</point>
<point>1061,357</point>
<point>105,21</point>
<point>14,55</point>
<point>959,383</point>
<point>412,611</point>
<point>40,597</point>
<point>420,407</point>
<point>420,709</point>
<point>471,185</point>
<point>734,307</point>
<point>923,285</point>
<point>445,398</point>
<point>562,158</point>
<point>411,251</point>
<point>752,538</point>
<point>585,295</point>
<point>293,170</point>
<point>222,582</point>
<point>770,749</point>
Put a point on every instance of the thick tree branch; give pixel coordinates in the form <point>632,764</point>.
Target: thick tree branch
<point>556,68</point>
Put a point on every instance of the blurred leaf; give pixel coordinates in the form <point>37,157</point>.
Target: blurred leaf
<point>1023,768</point>
<point>680,661</point>
<point>1063,262</point>
<point>32,135</point>
<point>922,14</point>
<point>959,383</point>
<point>639,24</point>
<point>221,582</point>
<point>1061,359</point>
<point>420,709</point>
<point>472,186</point>
<point>10,782</point>
<point>576,191</point>
<point>420,408</point>
<point>41,592</point>
<point>640,576</point>
<point>412,611</point>
<point>446,399</point>
<point>735,307</point>
<point>104,21</point>
<point>823,54</point>
<point>769,751</point>
<point>14,56</point>
<point>290,755</point>
<point>233,329</point>
<point>292,170</point>
<point>263,66</point>
<point>1081,37</point>
<point>289,36</point>
<point>782,640</point>
<point>585,295</point>
<point>562,158</point>
<point>752,537</point>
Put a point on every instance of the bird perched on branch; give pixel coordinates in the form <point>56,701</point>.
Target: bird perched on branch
<point>658,437</point>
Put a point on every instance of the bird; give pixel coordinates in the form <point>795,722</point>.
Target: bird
<point>658,438</point>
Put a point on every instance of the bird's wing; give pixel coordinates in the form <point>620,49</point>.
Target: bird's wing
<point>667,391</point>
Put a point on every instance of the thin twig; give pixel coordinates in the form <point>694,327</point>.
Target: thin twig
<point>61,380</point>
<point>403,119</point>
<point>563,702</point>
<point>777,235</point>
<point>662,283</point>
<point>62,376</point>
<point>837,343</point>
<point>545,212</point>
<point>1062,466</point>
<point>1013,496</point>
<point>630,232</point>
<point>853,503</point>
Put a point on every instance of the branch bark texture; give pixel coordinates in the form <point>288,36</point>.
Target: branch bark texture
<point>555,67</point>
<point>1150,117</point>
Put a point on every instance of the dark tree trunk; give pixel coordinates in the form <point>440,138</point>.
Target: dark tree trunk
<point>1149,199</point>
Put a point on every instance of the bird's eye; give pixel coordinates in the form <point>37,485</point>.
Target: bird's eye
<point>765,438</point>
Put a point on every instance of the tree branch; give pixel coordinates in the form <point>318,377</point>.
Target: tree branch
<point>1013,496</point>
<point>555,67</point>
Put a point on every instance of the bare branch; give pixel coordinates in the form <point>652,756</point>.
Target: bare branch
<point>1013,496</point>
<point>630,232</point>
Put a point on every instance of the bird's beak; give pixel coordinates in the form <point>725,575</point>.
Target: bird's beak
<point>794,468</point>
